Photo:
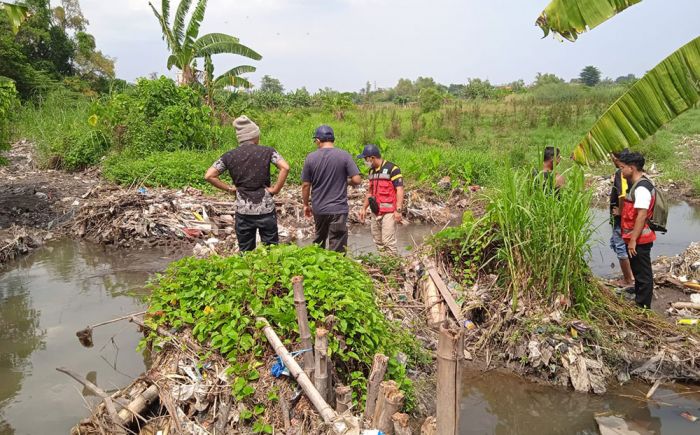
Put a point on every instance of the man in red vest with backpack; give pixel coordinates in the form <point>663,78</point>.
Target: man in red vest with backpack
<point>384,198</point>
<point>637,210</point>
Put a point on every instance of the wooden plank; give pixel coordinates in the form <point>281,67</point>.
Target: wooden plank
<point>446,294</point>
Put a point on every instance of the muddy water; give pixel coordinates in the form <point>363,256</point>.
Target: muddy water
<point>683,225</point>
<point>44,299</point>
<point>505,404</point>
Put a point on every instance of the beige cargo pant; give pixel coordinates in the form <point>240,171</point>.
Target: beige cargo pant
<point>384,233</point>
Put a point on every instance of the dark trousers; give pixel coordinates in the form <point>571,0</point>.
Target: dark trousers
<point>333,227</point>
<point>643,275</point>
<point>248,224</point>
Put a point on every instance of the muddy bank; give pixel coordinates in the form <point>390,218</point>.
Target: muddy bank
<point>38,204</point>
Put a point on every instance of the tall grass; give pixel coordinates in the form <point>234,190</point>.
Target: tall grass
<point>544,236</point>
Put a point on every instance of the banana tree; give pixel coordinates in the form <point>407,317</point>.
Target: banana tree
<point>231,77</point>
<point>16,13</point>
<point>184,41</point>
<point>666,91</point>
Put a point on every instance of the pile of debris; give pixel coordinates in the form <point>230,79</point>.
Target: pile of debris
<point>17,241</point>
<point>682,272</point>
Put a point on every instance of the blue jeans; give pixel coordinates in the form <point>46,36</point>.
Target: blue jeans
<point>617,244</point>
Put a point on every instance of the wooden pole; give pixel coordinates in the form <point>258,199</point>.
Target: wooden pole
<point>401,426</point>
<point>433,302</point>
<point>323,408</point>
<point>343,398</point>
<point>303,321</point>
<point>321,370</point>
<point>376,376</point>
<point>389,403</point>
<point>450,355</point>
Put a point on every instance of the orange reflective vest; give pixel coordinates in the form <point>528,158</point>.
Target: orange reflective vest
<point>382,188</point>
<point>629,215</point>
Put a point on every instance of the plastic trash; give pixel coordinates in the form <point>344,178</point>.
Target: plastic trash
<point>142,190</point>
<point>691,322</point>
<point>372,432</point>
<point>695,298</point>
<point>468,325</point>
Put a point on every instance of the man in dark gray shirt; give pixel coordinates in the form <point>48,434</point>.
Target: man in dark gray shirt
<point>325,178</point>
<point>249,167</point>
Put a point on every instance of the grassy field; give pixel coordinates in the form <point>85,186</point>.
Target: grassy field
<point>472,141</point>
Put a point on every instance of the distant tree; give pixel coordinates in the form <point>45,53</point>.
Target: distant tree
<point>271,84</point>
<point>546,79</point>
<point>516,86</point>
<point>424,83</point>
<point>628,79</point>
<point>590,76</point>
<point>477,88</point>
<point>300,98</point>
<point>404,89</point>
<point>455,89</point>
<point>430,99</point>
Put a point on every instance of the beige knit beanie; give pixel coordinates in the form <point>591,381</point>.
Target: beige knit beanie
<point>246,130</point>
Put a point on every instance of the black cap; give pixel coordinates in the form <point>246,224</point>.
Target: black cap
<point>324,133</point>
<point>370,150</point>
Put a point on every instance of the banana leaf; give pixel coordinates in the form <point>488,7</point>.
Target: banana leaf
<point>570,18</point>
<point>16,14</point>
<point>669,89</point>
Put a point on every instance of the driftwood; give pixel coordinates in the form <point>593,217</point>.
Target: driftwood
<point>323,408</point>
<point>162,331</point>
<point>140,402</point>
<point>343,398</point>
<point>109,404</point>
<point>376,376</point>
<point>303,321</point>
<point>450,355</point>
<point>389,402</point>
<point>401,426</point>
<point>687,305</point>
<point>321,370</point>
<point>446,294</point>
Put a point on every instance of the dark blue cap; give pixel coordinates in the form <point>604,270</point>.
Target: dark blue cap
<point>370,150</point>
<point>324,133</point>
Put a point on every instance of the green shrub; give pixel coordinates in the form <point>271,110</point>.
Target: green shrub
<point>8,105</point>
<point>158,115</point>
<point>85,149</point>
<point>220,299</point>
<point>430,99</point>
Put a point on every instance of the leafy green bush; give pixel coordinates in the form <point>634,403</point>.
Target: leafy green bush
<point>430,99</point>
<point>8,104</point>
<point>220,298</point>
<point>158,115</point>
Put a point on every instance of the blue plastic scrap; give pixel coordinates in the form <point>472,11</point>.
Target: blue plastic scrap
<point>278,368</point>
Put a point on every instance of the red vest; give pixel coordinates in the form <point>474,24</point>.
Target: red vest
<point>629,217</point>
<point>382,188</point>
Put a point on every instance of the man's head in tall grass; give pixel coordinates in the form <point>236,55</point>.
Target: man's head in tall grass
<point>551,157</point>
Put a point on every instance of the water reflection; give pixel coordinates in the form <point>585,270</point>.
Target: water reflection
<point>44,299</point>
<point>495,403</point>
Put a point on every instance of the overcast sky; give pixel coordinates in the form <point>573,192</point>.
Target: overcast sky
<point>342,44</point>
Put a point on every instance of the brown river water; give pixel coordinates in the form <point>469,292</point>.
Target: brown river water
<point>47,296</point>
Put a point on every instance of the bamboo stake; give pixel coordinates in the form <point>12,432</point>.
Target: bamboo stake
<point>389,403</point>
<point>433,301</point>
<point>343,398</point>
<point>303,321</point>
<point>321,370</point>
<point>139,403</point>
<point>450,355</point>
<point>323,408</point>
<point>376,376</point>
<point>401,426</point>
